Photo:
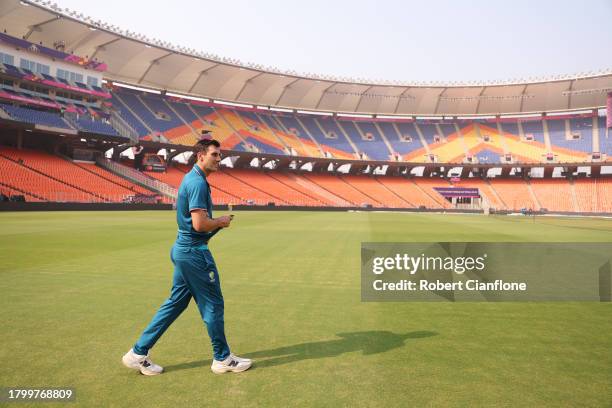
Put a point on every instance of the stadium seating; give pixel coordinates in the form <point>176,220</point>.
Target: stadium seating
<point>180,121</point>
<point>292,142</point>
<point>332,134</point>
<point>485,190</point>
<point>259,135</point>
<point>604,195</point>
<point>452,149</point>
<point>41,176</point>
<point>487,156</point>
<point>138,106</point>
<point>408,191</point>
<point>107,175</point>
<point>224,189</point>
<point>514,194</point>
<point>313,135</point>
<point>605,137</point>
<point>427,187</point>
<point>554,195</point>
<point>429,133</point>
<point>534,128</point>
<point>343,189</point>
<point>560,134</point>
<point>59,179</point>
<point>281,193</point>
<point>448,129</point>
<point>594,195</point>
<point>240,186</point>
<point>214,120</point>
<point>316,195</point>
<point>247,193</point>
<point>367,141</point>
<point>402,136</point>
<point>586,195</point>
<point>95,126</point>
<point>306,189</point>
<point>35,116</point>
<point>172,176</point>
<point>127,115</point>
<point>299,129</point>
<point>38,185</point>
<point>373,188</point>
<point>8,191</point>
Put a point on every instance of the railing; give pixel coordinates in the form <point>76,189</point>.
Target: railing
<point>83,197</point>
<point>138,178</point>
<point>71,118</point>
<point>299,202</point>
<point>122,127</point>
<point>5,115</point>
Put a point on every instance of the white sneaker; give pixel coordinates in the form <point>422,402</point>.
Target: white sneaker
<point>142,363</point>
<point>232,364</point>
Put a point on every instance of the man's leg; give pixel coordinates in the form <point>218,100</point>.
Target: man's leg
<point>169,310</point>
<point>203,281</point>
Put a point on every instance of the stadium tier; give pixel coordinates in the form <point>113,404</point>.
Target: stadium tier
<point>305,135</point>
<point>153,117</point>
<point>41,176</point>
<point>46,177</point>
<point>88,124</point>
<point>34,116</point>
<point>85,122</point>
<point>564,139</point>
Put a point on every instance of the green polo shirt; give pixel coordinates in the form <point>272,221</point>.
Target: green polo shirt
<point>193,193</point>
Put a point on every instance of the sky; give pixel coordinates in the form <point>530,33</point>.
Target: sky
<point>432,40</point>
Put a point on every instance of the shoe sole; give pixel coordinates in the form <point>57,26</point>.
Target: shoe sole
<point>230,370</point>
<point>139,368</point>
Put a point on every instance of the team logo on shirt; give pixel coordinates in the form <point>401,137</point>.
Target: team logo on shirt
<point>211,275</point>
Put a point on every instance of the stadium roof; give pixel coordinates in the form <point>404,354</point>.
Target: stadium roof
<point>135,59</point>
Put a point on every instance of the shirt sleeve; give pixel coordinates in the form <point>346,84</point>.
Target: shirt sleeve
<point>198,197</point>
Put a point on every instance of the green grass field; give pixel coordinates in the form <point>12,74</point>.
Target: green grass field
<point>77,288</point>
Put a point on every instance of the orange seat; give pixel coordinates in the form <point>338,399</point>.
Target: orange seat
<point>59,179</point>
<point>514,194</point>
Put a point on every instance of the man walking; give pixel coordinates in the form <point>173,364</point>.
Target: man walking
<point>195,272</point>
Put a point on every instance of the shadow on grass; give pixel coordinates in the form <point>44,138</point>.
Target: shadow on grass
<point>368,342</point>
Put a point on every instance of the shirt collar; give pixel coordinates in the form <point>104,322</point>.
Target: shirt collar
<point>198,170</point>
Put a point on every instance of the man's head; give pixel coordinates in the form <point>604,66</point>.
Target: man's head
<point>208,155</point>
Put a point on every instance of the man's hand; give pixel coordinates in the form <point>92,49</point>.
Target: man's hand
<point>202,223</point>
<point>224,221</point>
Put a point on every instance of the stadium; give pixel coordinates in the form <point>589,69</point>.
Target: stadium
<point>97,131</point>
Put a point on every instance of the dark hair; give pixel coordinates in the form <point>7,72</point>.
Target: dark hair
<point>202,145</point>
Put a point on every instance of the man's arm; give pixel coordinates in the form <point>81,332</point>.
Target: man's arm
<point>203,223</point>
